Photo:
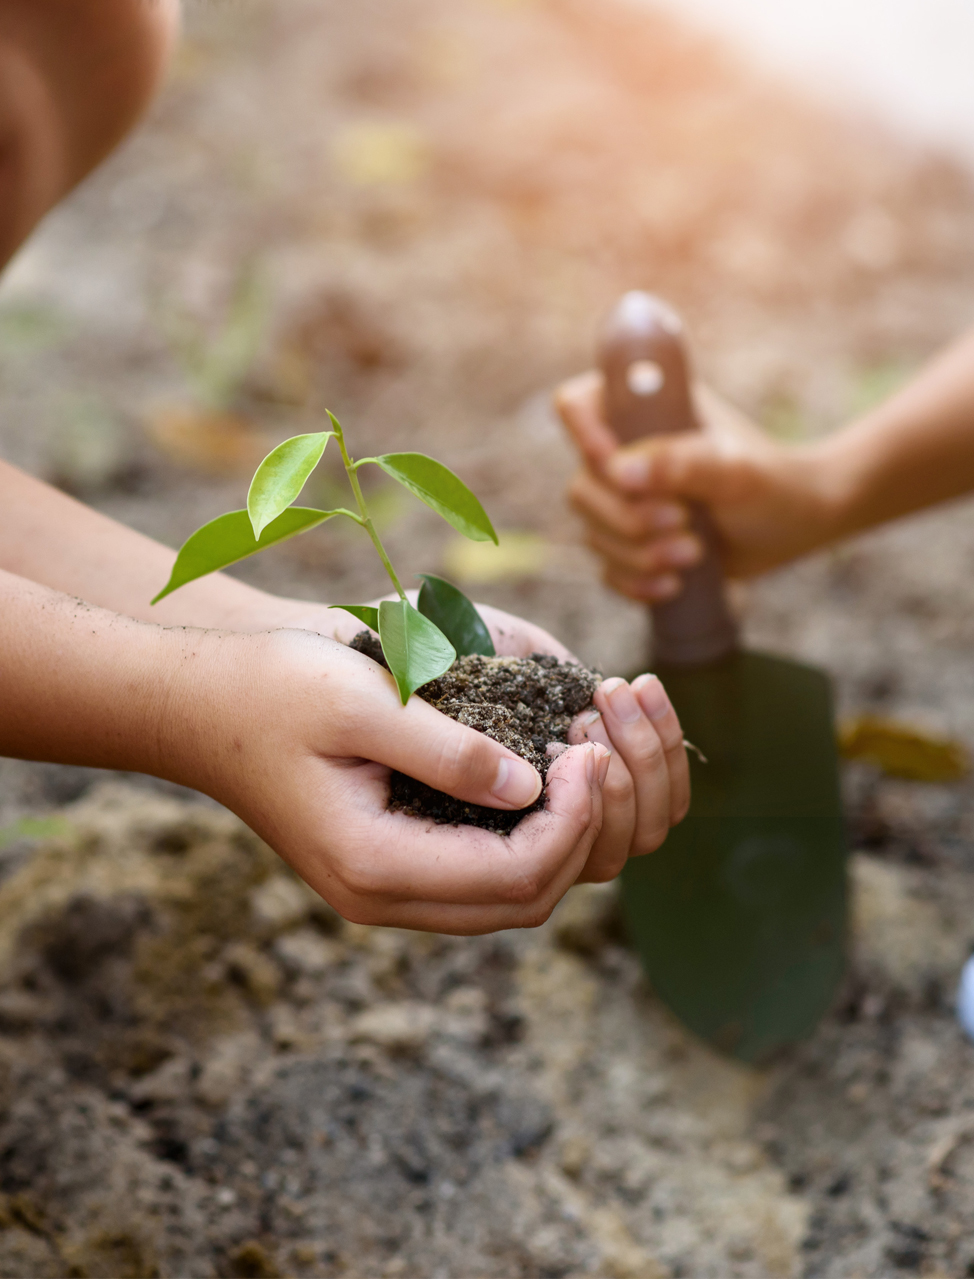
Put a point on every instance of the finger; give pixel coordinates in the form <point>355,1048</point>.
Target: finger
<point>564,797</point>
<point>646,557</point>
<point>645,590</point>
<point>657,707</point>
<point>514,637</point>
<point>623,514</point>
<point>388,860</point>
<point>635,739</point>
<point>611,849</point>
<point>579,402</point>
<point>418,740</point>
<point>686,465</point>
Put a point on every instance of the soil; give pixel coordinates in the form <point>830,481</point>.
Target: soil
<point>527,704</point>
<point>203,1072</point>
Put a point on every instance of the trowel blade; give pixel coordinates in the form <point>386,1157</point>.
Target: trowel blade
<point>740,917</point>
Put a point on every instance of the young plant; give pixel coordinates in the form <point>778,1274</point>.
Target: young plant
<point>419,643</point>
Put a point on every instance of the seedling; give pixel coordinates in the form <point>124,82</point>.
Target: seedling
<point>419,643</point>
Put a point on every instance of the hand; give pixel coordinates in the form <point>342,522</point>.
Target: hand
<point>647,787</point>
<point>512,636</point>
<point>770,502</point>
<point>297,734</point>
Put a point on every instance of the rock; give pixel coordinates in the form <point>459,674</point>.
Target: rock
<point>587,918</point>
<point>252,1261</point>
<point>306,953</point>
<point>226,1068</point>
<point>465,1015</point>
<point>575,1153</point>
<point>622,1257</point>
<point>279,903</point>
<point>399,1027</point>
<point>898,936</point>
<point>256,972</point>
<point>168,1082</point>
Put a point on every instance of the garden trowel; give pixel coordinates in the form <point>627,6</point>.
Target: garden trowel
<point>740,916</point>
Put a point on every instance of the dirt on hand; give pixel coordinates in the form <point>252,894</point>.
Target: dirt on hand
<point>525,703</point>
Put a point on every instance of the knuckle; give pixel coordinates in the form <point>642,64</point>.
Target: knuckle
<point>464,757</point>
<point>649,755</point>
<point>358,879</point>
<point>645,557</point>
<point>606,873</point>
<point>649,841</point>
<point>537,915</point>
<point>522,890</point>
<point>619,787</point>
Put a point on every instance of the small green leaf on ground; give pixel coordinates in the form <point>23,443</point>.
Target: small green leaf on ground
<point>901,750</point>
<point>519,555</point>
<point>416,650</point>
<point>373,153</point>
<point>230,538</point>
<point>281,477</point>
<point>450,610</point>
<point>364,612</point>
<point>34,828</point>
<point>437,486</point>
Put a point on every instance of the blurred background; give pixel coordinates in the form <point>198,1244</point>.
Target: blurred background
<point>415,214</point>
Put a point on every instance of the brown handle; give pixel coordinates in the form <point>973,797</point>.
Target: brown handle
<point>647,392</point>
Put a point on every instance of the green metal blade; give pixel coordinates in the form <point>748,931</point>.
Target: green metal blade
<point>740,917</point>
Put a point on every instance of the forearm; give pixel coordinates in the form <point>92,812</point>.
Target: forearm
<point>50,538</point>
<point>913,451</point>
<point>81,685</point>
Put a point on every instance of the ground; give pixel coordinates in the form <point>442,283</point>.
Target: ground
<point>416,213</point>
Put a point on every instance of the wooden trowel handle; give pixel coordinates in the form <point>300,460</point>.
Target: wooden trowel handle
<point>647,392</point>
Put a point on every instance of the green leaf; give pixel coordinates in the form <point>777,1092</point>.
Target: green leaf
<point>230,538</point>
<point>281,477</point>
<point>438,487</point>
<point>364,612</point>
<point>416,650</point>
<point>450,610</point>
<point>34,828</point>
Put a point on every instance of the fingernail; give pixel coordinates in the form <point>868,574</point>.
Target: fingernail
<point>630,470</point>
<point>651,696</point>
<point>590,718</point>
<point>681,551</point>
<point>590,763</point>
<point>517,783</point>
<point>666,517</point>
<point>604,763</point>
<point>621,701</point>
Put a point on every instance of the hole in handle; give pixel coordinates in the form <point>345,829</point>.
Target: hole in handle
<point>644,377</point>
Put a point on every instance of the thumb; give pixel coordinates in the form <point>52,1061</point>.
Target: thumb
<point>418,740</point>
<point>689,466</point>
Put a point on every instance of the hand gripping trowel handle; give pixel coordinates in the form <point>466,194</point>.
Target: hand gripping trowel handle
<point>647,392</point>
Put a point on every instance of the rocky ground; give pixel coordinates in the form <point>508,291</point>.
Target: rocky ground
<point>415,214</point>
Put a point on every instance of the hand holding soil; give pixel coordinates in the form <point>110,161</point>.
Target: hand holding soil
<point>298,735</point>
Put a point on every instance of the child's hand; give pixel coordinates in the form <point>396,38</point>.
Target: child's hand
<point>512,635</point>
<point>297,735</point>
<point>647,788</point>
<point>770,502</point>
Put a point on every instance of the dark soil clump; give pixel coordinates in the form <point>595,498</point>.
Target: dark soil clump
<point>525,703</point>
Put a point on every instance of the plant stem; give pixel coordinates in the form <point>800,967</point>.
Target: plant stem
<point>366,517</point>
